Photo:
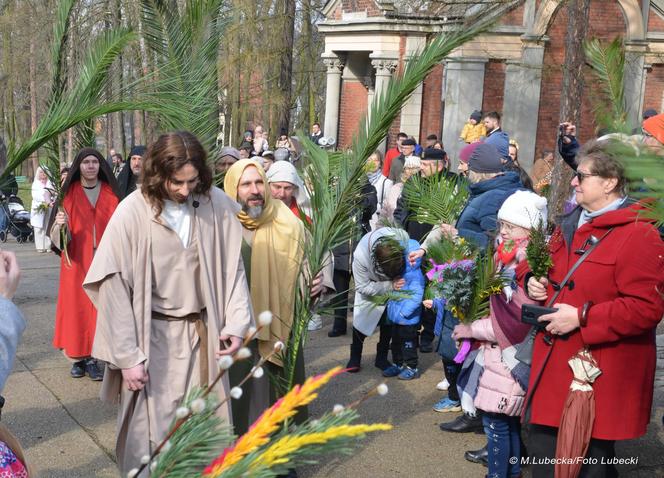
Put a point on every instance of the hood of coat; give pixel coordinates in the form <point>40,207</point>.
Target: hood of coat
<point>507,180</point>
<point>630,211</point>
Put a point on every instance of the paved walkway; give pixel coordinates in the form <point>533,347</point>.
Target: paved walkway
<point>67,432</point>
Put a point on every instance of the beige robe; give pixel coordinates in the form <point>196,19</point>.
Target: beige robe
<point>125,329</point>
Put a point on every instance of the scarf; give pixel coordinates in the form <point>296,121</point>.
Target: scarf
<point>587,216</point>
<point>374,177</point>
<point>509,331</point>
<point>276,255</point>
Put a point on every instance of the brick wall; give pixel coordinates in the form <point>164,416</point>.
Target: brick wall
<point>606,22</point>
<point>515,17</point>
<point>352,109</point>
<point>494,87</point>
<point>431,104</point>
<point>654,88</point>
<point>655,22</point>
<point>360,6</point>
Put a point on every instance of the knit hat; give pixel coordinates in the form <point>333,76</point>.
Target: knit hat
<point>138,150</point>
<point>433,154</point>
<point>467,151</point>
<point>525,209</point>
<point>281,154</point>
<point>229,151</point>
<point>476,115</point>
<point>408,142</point>
<point>485,159</point>
<point>655,126</point>
<point>649,113</point>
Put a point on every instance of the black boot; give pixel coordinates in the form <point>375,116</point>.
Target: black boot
<point>464,424</point>
<point>356,347</point>
<point>480,456</point>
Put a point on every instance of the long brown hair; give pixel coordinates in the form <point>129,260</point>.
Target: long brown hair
<point>167,155</point>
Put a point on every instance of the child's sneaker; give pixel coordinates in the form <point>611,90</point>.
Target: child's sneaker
<point>408,373</point>
<point>447,405</point>
<point>392,371</point>
<point>443,385</point>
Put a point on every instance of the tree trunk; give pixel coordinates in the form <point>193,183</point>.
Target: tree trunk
<point>33,100</point>
<point>571,95</point>
<point>287,8</point>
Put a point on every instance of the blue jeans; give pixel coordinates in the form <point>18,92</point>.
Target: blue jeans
<point>503,443</point>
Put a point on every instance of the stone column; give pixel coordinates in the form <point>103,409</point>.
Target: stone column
<point>384,65</point>
<point>464,90</point>
<point>335,66</point>
<point>635,80</point>
<point>523,81</point>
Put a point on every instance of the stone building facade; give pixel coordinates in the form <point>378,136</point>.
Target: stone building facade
<point>515,69</point>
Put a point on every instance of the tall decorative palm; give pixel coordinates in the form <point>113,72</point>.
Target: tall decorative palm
<point>335,179</point>
<point>186,46</point>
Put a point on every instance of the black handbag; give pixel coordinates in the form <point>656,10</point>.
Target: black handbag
<point>524,350</point>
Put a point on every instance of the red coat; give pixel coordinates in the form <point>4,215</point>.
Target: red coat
<point>621,277</point>
<point>387,162</point>
<point>75,316</point>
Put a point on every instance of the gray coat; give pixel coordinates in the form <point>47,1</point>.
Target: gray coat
<point>11,329</point>
<point>368,282</point>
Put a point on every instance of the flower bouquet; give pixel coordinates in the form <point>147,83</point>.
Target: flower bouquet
<point>466,286</point>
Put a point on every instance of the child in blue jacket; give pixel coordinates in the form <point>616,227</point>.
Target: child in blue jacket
<point>405,315</point>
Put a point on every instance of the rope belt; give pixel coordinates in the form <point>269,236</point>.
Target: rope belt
<point>201,330</point>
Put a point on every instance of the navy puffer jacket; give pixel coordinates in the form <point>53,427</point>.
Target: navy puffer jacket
<point>477,222</point>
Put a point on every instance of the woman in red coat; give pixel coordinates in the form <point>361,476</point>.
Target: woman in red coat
<point>612,305</point>
<point>90,198</point>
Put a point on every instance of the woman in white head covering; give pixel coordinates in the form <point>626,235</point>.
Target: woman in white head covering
<point>39,212</point>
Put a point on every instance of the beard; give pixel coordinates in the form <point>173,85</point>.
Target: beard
<point>253,212</point>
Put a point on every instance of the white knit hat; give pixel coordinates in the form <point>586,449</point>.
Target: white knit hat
<point>525,209</point>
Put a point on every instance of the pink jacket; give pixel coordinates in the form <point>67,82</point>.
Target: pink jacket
<point>498,392</point>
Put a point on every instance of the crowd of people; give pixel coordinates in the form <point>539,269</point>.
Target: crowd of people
<point>158,266</point>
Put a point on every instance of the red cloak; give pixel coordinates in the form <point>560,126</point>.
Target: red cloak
<point>75,316</point>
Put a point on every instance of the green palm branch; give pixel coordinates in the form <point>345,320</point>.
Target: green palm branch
<point>644,166</point>
<point>487,283</point>
<point>436,199</point>
<point>334,180</point>
<point>86,99</point>
<point>186,46</point>
<point>608,65</point>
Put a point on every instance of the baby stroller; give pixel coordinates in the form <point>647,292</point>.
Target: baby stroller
<point>15,220</point>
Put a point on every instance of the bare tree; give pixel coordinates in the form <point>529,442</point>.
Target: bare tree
<point>572,94</point>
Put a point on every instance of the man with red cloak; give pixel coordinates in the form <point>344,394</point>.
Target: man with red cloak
<point>76,227</point>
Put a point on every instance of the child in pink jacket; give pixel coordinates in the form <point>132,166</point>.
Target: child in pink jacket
<point>501,390</point>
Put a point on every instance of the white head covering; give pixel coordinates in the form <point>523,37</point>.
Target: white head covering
<point>525,209</point>
<point>284,171</point>
<point>40,195</point>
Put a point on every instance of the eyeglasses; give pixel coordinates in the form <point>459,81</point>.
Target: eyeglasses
<point>581,176</point>
<point>506,225</point>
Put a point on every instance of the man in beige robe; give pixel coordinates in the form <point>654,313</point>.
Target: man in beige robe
<point>169,285</point>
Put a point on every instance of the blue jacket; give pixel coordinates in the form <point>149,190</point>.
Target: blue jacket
<point>407,311</point>
<point>501,141</point>
<point>478,219</point>
<point>13,326</point>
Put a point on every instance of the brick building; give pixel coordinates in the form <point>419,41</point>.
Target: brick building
<point>515,69</point>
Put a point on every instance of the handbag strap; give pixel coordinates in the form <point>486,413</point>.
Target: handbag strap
<point>576,265</point>
<point>563,283</point>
